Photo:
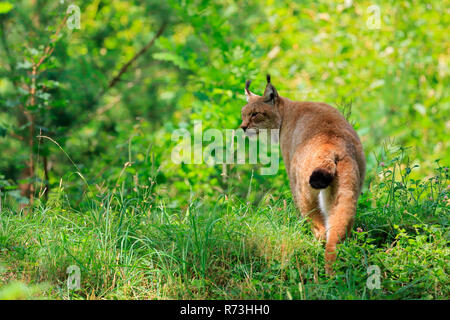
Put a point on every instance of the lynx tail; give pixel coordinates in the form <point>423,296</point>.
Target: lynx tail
<point>320,178</point>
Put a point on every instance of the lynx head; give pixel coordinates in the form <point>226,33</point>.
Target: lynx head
<point>261,112</point>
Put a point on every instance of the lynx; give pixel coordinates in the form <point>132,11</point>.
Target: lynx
<point>323,156</point>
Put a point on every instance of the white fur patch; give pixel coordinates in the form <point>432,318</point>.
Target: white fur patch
<point>324,206</point>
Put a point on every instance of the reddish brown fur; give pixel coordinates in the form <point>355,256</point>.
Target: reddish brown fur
<point>314,135</point>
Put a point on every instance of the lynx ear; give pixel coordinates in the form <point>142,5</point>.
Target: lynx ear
<point>270,94</point>
<point>248,93</point>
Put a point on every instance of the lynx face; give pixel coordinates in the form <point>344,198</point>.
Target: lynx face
<point>261,112</point>
<point>259,115</point>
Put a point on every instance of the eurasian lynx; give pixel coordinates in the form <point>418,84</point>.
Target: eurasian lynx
<point>323,156</point>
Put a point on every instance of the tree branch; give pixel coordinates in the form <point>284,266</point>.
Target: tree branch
<point>125,67</point>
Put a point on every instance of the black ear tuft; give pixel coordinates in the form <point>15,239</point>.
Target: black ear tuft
<point>247,84</point>
<point>270,93</point>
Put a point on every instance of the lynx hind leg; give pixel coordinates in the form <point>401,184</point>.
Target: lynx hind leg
<point>310,209</point>
<point>342,209</point>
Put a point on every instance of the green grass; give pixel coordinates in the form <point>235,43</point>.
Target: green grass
<point>131,244</point>
<point>155,229</point>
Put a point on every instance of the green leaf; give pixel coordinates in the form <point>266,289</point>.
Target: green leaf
<point>3,131</point>
<point>24,65</point>
<point>5,7</point>
<point>167,56</point>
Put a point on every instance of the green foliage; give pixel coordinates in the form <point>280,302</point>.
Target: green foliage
<point>17,291</point>
<point>132,244</point>
<point>87,116</point>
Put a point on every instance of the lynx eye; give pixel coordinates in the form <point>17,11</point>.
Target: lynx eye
<point>254,114</point>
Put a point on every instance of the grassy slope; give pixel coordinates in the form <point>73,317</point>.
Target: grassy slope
<point>134,246</point>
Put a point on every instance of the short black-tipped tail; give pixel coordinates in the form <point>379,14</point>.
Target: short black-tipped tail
<point>320,178</point>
